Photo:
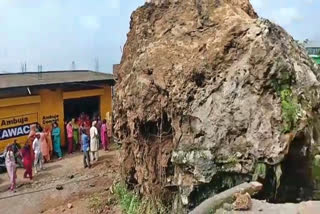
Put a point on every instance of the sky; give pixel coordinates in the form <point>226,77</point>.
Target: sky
<point>54,33</point>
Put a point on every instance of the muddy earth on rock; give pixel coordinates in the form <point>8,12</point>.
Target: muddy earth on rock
<point>209,95</point>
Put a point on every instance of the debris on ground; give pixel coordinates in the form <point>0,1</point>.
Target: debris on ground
<point>59,187</point>
<point>69,206</point>
<point>242,202</point>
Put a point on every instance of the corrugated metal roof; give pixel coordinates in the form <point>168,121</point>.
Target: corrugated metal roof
<point>13,80</point>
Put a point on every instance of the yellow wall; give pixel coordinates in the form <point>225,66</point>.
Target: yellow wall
<point>47,107</point>
<point>51,109</point>
<point>19,109</point>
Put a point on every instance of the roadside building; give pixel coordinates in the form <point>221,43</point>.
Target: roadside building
<point>33,97</point>
<point>313,49</point>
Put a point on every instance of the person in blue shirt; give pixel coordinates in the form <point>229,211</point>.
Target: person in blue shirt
<point>85,149</point>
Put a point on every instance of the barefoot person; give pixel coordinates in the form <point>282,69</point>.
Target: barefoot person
<point>56,140</point>
<point>94,142</point>
<point>27,160</point>
<point>11,167</point>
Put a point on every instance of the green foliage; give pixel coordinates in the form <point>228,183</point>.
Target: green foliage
<point>131,203</point>
<point>283,83</point>
<point>290,109</point>
<point>260,172</point>
<point>128,200</point>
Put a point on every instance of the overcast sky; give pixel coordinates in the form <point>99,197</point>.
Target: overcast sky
<point>56,32</point>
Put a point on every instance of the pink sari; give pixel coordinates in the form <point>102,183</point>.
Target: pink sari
<point>104,136</point>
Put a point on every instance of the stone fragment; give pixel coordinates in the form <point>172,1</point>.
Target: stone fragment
<point>69,205</point>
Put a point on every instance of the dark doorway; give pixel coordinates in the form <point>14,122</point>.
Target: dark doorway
<point>74,107</point>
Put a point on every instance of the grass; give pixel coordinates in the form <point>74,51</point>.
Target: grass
<point>290,110</point>
<point>131,203</point>
<point>289,103</point>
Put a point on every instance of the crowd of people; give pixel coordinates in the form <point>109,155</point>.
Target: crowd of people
<point>42,143</point>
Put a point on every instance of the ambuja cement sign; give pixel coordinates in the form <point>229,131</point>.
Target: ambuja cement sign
<point>17,126</point>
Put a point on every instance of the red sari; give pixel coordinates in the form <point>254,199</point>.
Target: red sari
<point>26,154</point>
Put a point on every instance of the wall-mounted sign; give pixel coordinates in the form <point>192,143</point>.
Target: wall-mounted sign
<point>50,119</point>
<point>16,126</point>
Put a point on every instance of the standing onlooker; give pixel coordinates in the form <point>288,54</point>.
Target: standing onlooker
<point>48,136</point>
<point>57,140</point>
<point>98,125</point>
<point>36,146</point>
<point>104,135</point>
<point>70,137</point>
<point>85,148</point>
<point>11,167</point>
<point>27,160</point>
<point>32,134</point>
<point>44,147</point>
<point>38,128</point>
<point>75,133</point>
<point>94,142</point>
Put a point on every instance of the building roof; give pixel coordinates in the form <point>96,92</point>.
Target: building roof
<point>14,80</point>
<point>312,44</point>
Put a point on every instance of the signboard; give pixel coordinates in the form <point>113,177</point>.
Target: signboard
<point>16,127</point>
<point>50,119</point>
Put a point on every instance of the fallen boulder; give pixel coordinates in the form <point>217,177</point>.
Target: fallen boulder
<point>209,96</point>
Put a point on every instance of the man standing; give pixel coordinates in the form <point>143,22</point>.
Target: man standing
<point>36,146</point>
<point>85,148</point>
<point>94,142</point>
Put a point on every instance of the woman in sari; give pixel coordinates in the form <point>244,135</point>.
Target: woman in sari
<point>57,140</point>
<point>49,139</point>
<point>70,137</point>
<point>44,146</point>
<point>32,134</point>
<point>75,133</point>
<point>27,160</point>
<point>11,167</point>
<point>104,135</point>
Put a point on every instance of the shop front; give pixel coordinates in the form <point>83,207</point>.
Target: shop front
<point>48,103</point>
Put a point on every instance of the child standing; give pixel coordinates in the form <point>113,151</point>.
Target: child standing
<point>85,148</point>
<point>38,160</point>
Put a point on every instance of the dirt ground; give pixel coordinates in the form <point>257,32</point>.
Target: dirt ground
<point>86,189</point>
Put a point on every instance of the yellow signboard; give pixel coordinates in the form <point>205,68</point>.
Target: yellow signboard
<point>16,127</point>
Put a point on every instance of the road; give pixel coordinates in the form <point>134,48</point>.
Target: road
<point>41,195</point>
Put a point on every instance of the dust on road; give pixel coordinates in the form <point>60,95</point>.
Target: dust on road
<point>79,184</point>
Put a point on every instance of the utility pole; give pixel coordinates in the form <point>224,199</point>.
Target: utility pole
<point>24,67</point>
<point>39,72</point>
<point>73,66</point>
<point>96,64</point>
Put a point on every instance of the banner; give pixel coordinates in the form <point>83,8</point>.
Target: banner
<point>16,127</point>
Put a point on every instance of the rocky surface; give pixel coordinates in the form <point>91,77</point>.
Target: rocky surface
<point>261,207</point>
<point>208,96</point>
